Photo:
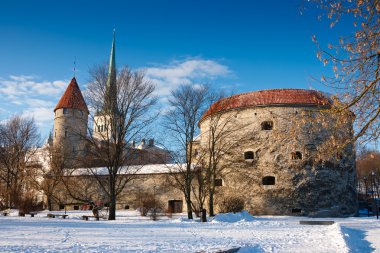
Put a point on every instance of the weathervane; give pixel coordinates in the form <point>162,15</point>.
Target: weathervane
<point>75,64</point>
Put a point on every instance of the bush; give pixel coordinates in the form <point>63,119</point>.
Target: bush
<point>149,205</point>
<point>231,204</point>
<point>28,204</point>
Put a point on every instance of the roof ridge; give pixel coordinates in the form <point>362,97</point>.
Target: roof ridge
<point>278,89</point>
<point>280,97</point>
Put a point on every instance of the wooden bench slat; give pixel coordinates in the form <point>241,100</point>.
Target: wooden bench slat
<point>86,217</point>
<point>316,222</point>
<point>52,215</point>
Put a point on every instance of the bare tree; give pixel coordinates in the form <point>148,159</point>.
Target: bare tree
<point>49,166</point>
<point>121,106</point>
<point>219,136</point>
<point>19,139</point>
<point>355,60</point>
<point>187,103</point>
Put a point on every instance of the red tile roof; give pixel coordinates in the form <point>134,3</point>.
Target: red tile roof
<point>277,97</point>
<point>72,98</point>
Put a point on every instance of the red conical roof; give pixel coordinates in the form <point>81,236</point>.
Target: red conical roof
<point>72,98</point>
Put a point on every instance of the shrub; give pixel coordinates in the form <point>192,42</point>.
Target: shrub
<point>28,204</point>
<point>231,204</point>
<point>149,205</point>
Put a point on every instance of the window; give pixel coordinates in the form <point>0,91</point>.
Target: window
<point>269,180</point>
<point>296,210</point>
<point>248,155</point>
<point>101,128</point>
<point>296,155</point>
<point>218,182</point>
<point>267,125</point>
<point>65,132</point>
<point>64,110</point>
<point>196,152</point>
<point>98,128</point>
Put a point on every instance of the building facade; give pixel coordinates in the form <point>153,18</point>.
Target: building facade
<point>284,152</point>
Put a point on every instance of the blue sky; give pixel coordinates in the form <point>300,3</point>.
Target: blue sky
<point>236,45</point>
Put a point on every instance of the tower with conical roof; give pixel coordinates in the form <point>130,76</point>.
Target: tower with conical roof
<point>70,121</point>
<point>105,119</point>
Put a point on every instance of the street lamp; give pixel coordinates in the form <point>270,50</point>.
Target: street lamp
<point>375,207</point>
<point>365,185</point>
<point>366,196</point>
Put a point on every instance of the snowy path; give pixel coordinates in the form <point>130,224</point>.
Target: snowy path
<point>361,234</point>
<point>134,234</point>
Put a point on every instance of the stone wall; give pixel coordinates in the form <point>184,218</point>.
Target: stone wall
<point>142,185</point>
<point>70,129</point>
<point>308,178</point>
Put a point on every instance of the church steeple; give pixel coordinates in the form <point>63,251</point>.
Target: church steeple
<point>110,104</point>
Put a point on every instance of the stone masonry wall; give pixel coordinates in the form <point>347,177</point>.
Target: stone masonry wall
<point>74,123</point>
<point>304,182</point>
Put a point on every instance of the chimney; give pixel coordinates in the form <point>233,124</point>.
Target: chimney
<point>133,143</point>
<point>151,143</point>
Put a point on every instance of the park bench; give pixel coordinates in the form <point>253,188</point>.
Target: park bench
<point>53,215</point>
<point>6,212</point>
<point>316,222</point>
<point>87,217</point>
<point>32,214</point>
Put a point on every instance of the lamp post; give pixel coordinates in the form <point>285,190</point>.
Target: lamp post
<point>366,197</point>
<point>375,207</point>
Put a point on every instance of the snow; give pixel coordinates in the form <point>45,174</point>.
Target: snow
<point>233,217</point>
<point>134,169</point>
<point>133,233</point>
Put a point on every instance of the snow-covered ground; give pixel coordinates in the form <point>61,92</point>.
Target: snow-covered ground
<point>133,233</point>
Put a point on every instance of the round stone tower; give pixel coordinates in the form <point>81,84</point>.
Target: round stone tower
<point>275,152</point>
<point>70,121</point>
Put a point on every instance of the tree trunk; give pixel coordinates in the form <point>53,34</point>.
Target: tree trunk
<point>112,203</point>
<point>49,204</point>
<point>211,203</point>
<point>188,201</point>
<point>112,208</point>
<point>189,209</point>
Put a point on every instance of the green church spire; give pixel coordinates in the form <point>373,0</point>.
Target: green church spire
<point>112,66</point>
<point>111,94</point>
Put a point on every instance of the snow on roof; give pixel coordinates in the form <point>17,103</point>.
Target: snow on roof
<point>197,138</point>
<point>134,169</point>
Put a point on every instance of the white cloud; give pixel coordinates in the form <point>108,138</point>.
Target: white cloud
<point>170,76</point>
<point>28,86</point>
<point>22,78</point>
<point>42,115</point>
<point>35,102</point>
<point>30,97</point>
